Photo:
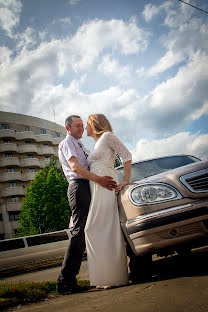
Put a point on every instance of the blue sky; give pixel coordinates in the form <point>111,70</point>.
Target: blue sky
<point>144,64</point>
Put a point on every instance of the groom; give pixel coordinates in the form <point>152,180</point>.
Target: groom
<point>73,159</point>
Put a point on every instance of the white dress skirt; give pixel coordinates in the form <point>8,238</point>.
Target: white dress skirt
<point>106,251</point>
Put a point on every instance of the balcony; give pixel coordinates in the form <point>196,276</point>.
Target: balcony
<point>8,147</point>
<point>46,151</point>
<point>29,135</point>
<point>28,148</point>
<point>30,162</point>
<point>25,135</point>
<point>11,176</point>
<point>56,141</point>
<point>7,133</point>
<point>28,176</point>
<point>12,191</point>
<point>44,138</point>
<point>14,206</point>
<point>9,161</point>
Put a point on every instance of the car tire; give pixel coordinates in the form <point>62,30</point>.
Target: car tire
<point>140,267</point>
<point>183,252</point>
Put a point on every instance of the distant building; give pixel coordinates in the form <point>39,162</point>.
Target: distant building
<point>26,145</point>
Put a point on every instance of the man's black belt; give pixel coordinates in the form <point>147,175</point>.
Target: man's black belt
<point>74,180</point>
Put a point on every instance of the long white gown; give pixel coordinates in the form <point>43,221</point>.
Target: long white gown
<point>106,252</point>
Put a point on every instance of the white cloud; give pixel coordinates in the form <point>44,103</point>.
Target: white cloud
<point>42,35</point>
<point>111,68</point>
<point>73,2</point>
<point>167,61</point>
<point>184,87</point>
<point>5,54</point>
<point>183,98</point>
<point>65,20</point>
<point>67,100</point>
<point>151,10</point>
<point>181,143</point>
<point>9,15</point>
<point>32,70</point>
<point>57,74</point>
<point>28,86</point>
<point>93,37</point>
<point>187,34</point>
<point>27,39</point>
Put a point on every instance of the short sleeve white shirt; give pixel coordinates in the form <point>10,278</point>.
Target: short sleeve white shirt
<point>67,148</point>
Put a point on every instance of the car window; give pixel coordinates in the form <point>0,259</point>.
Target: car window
<point>151,167</point>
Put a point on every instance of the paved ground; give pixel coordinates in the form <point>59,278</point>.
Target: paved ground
<point>45,275</point>
<point>178,285</point>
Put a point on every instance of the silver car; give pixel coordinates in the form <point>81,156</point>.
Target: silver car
<point>164,209</point>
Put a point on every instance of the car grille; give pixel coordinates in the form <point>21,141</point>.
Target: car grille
<point>196,182</point>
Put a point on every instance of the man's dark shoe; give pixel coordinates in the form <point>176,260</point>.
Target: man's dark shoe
<point>77,289</point>
<point>64,289</point>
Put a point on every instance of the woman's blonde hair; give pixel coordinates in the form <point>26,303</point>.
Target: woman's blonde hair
<point>99,124</point>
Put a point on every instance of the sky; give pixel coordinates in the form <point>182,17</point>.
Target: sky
<point>144,64</point>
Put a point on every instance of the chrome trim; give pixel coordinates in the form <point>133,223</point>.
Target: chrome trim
<point>192,175</point>
<point>154,214</point>
<point>179,196</point>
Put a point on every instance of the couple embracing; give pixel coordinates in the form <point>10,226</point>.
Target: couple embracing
<point>92,198</point>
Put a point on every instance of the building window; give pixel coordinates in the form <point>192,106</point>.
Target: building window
<point>12,184</point>
<point>26,128</point>
<point>45,145</point>
<point>14,215</point>
<point>10,169</point>
<point>47,158</point>
<point>7,141</point>
<point>8,155</point>
<point>15,199</point>
<point>31,169</point>
<point>29,156</point>
<point>1,218</point>
<point>58,135</point>
<point>43,131</point>
<point>4,126</point>
<point>27,142</point>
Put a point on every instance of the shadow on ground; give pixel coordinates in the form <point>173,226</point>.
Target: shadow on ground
<point>193,264</point>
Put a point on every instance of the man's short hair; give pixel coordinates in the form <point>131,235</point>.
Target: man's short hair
<point>69,120</point>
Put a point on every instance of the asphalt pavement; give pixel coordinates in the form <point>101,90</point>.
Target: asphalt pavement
<point>179,284</point>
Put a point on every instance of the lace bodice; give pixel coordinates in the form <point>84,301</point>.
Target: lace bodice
<point>106,148</point>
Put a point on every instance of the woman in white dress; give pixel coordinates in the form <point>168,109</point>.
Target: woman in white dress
<point>106,252</point>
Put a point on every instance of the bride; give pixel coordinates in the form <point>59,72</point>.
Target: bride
<point>106,252</point>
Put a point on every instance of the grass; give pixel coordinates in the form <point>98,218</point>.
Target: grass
<point>14,294</point>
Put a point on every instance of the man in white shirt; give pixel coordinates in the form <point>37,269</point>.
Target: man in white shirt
<point>74,163</point>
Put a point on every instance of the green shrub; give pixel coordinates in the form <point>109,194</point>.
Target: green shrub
<point>27,292</point>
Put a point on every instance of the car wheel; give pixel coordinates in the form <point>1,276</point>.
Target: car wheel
<point>183,252</point>
<point>140,267</point>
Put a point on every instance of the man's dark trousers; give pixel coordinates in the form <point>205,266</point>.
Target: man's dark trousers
<point>79,200</point>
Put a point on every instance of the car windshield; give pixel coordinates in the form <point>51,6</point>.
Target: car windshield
<point>151,167</point>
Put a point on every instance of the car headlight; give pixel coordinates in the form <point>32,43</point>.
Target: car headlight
<point>146,194</point>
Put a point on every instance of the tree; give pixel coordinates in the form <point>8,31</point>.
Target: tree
<point>118,161</point>
<point>45,206</point>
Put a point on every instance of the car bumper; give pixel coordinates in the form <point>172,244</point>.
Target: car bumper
<point>167,228</point>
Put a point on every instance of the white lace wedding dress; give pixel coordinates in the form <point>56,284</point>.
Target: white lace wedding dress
<point>106,252</point>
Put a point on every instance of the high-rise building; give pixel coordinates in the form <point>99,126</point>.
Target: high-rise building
<point>26,145</point>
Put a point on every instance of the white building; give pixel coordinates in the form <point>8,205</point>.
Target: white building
<point>26,145</point>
